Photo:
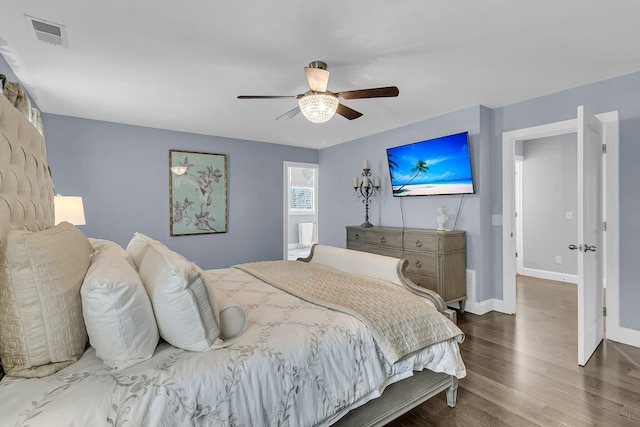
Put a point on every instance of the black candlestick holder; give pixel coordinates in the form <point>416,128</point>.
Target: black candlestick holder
<point>366,190</point>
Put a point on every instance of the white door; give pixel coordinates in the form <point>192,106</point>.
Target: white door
<point>589,244</point>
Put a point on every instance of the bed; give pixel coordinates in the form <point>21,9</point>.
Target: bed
<point>299,360</point>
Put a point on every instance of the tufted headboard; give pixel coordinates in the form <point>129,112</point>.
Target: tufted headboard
<point>26,188</point>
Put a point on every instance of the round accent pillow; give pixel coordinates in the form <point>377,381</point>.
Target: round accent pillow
<point>233,322</point>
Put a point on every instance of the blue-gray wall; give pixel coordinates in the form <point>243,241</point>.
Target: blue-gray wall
<point>339,207</point>
<point>122,173</point>
<point>618,94</point>
<point>549,175</point>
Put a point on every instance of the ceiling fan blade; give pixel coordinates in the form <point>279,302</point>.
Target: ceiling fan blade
<point>379,92</point>
<point>289,114</point>
<point>347,112</point>
<point>317,78</point>
<point>267,96</point>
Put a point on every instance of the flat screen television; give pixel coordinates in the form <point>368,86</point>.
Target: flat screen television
<point>433,167</point>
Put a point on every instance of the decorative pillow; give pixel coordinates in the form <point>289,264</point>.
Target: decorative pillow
<point>138,245</point>
<point>104,245</point>
<point>186,316</point>
<point>233,321</point>
<point>44,330</point>
<point>116,308</point>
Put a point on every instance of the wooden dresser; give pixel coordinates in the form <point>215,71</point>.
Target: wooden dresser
<point>437,259</point>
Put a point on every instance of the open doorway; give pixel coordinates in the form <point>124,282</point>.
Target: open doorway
<point>603,138</point>
<point>546,203</point>
<point>300,209</point>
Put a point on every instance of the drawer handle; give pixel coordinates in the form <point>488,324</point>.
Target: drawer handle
<point>418,264</point>
<point>356,236</point>
<point>383,240</point>
<point>418,243</point>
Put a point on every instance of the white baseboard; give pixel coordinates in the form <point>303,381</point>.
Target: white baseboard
<point>614,333</point>
<point>471,285</point>
<point>624,335</point>
<point>550,275</point>
<point>480,308</point>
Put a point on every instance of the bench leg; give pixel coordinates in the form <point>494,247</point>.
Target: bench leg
<point>452,392</point>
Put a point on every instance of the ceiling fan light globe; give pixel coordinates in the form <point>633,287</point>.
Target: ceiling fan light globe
<point>318,107</point>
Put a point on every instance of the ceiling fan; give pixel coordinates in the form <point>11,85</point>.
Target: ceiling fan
<point>318,104</point>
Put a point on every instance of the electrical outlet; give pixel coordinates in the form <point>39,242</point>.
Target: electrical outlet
<point>568,214</point>
<point>558,260</point>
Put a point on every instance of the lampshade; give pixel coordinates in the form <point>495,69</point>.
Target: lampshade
<point>318,107</point>
<point>70,209</point>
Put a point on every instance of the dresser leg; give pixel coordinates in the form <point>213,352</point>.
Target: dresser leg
<point>462,304</point>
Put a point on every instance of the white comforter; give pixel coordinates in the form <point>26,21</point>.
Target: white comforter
<point>296,364</point>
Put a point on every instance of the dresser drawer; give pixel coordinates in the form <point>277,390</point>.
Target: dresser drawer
<point>420,242</point>
<point>356,246</point>
<point>421,263</point>
<point>385,238</point>
<point>423,281</point>
<point>380,250</point>
<point>356,235</point>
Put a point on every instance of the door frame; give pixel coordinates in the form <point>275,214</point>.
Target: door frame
<point>285,209</point>
<point>518,171</point>
<point>611,214</point>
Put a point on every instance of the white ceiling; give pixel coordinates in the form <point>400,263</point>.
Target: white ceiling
<point>180,65</point>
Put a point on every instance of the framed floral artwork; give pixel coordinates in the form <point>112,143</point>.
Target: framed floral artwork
<point>197,193</point>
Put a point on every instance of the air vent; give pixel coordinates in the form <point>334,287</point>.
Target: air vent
<point>47,31</point>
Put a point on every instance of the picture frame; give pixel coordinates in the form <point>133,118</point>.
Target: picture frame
<point>197,193</point>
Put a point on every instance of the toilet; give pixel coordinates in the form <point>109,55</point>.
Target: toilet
<point>305,234</point>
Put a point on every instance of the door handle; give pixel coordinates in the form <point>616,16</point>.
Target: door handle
<point>582,248</point>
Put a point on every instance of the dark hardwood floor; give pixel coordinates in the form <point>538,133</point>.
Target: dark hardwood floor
<point>522,370</point>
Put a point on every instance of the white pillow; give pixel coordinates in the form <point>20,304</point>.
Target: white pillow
<point>186,316</point>
<point>43,330</point>
<point>102,244</point>
<point>117,311</point>
<point>138,245</point>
